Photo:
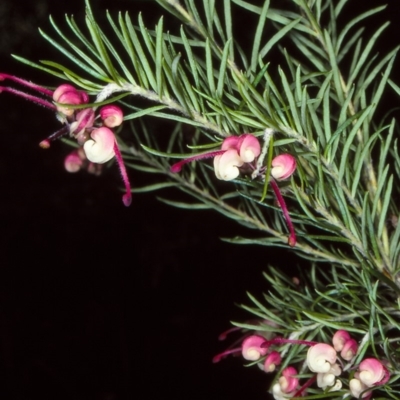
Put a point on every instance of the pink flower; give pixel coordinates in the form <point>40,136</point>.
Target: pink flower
<point>227,165</point>
<point>235,152</point>
<point>371,372</point>
<point>111,115</point>
<point>251,348</point>
<point>238,154</point>
<point>99,143</point>
<point>349,350</point>
<point>321,357</point>
<point>239,150</point>
<point>286,385</point>
<point>343,342</point>
<point>73,162</point>
<point>273,359</point>
<point>77,160</point>
<point>67,94</point>
<point>283,166</point>
<point>100,148</point>
<point>340,338</point>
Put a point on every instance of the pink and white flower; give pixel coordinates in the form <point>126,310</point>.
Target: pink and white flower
<point>321,358</point>
<point>111,115</point>
<point>100,147</point>
<point>235,152</point>
<point>252,349</point>
<point>272,360</point>
<point>283,166</point>
<point>287,384</point>
<point>97,140</point>
<point>371,372</point>
<point>340,338</point>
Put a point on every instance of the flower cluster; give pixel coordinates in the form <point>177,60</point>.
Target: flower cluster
<point>238,154</point>
<point>326,362</point>
<point>371,372</point>
<point>96,140</point>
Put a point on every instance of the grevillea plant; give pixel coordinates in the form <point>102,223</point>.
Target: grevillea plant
<point>280,131</point>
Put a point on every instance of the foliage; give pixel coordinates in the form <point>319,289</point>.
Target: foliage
<point>323,100</point>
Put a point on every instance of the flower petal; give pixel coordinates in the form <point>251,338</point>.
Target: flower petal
<point>231,142</point>
<point>226,165</point>
<point>249,148</point>
<point>372,371</point>
<point>321,357</point>
<point>111,115</point>
<point>101,148</point>
<point>251,348</point>
<point>283,166</point>
<point>340,338</point>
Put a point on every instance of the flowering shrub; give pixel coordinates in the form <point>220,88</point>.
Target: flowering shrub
<point>311,111</point>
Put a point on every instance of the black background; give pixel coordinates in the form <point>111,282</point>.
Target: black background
<point>99,301</point>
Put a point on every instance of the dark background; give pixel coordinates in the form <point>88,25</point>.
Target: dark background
<point>99,301</point>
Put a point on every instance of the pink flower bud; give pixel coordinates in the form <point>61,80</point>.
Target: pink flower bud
<point>73,162</point>
<point>101,148</point>
<point>251,348</point>
<point>327,379</point>
<point>273,359</point>
<point>288,380</point>
<point>340,338</point>
<point>249,148</point>
<point>67,94</point>
<point>321,357</point>
<point>62,90</point>
<point>283,166</point>
<point>349,350</point>
<point>111,115</point>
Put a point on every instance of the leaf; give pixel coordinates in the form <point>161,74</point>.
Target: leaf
<point>154,187</point>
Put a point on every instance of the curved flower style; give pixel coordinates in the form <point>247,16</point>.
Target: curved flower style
<point>283,166</point>
<point>97,140</point>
